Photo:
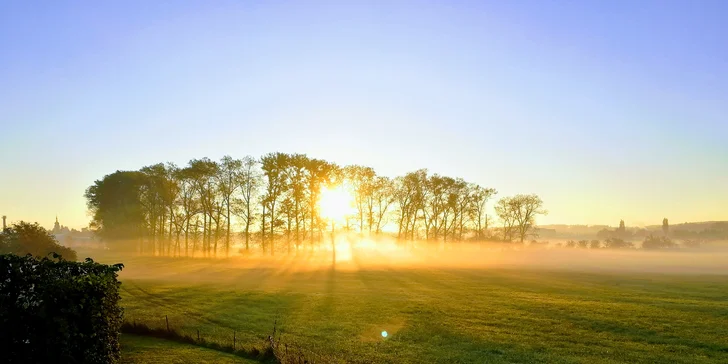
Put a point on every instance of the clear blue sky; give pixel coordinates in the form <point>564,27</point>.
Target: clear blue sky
<point>607,110</point>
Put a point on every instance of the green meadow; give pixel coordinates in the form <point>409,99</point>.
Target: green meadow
<point>146,350</point>
<point>432,313</point>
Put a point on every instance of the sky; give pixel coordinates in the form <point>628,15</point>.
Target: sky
<point>608,110</point>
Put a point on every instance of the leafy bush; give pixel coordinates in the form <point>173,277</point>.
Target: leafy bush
<point>595,244</point>
<point>56,311</point>
<point>25,238</point>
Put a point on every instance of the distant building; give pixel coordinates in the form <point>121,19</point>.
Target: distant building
<point>71,237</point>
<point>58,229</point>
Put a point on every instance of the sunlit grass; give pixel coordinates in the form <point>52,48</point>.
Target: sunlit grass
<point>439,315</point>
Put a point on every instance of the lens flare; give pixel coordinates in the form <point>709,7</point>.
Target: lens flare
<point>384,334</point>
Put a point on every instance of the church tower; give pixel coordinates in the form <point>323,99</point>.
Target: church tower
<point>56,226</point>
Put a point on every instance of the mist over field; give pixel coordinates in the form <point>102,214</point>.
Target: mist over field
<point>387,254</point>
<point>380,301</point>
<point>363,182</point>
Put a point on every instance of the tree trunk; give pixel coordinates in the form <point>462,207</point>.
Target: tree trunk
<point>272,227</point>
<point>187,232</point>
<point>298,230</point>
<point>227,237</point>
<point>262,231</point>
<point>217,230</point>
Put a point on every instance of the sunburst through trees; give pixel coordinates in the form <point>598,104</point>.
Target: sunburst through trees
<point>290,202</point>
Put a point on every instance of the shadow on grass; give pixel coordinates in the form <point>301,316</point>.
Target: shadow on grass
<point>265,355</point>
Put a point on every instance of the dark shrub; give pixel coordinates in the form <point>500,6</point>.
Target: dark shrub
<point>616,243</point>
<point>658,242</point>
<point>56,311</point>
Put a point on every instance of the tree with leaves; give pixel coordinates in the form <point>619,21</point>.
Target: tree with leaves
<point>227,179</point>
<point>479,198</point>
<point>24,238</point>
<point>249,182</point>
<point>518,214</point>
<point>361,180</point>
<point>117,213</point>
<point>379,200</point>
<point>188,206</point>
<point>273,165</point>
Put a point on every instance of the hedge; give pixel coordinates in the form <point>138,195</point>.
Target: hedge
<point>58,311</point>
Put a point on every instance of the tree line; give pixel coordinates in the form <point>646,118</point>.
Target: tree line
<point>274,199</point>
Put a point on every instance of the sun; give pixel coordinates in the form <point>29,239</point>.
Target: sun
<point>335,203</point>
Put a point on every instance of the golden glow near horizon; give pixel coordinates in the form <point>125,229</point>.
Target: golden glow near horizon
<point>335,203</point>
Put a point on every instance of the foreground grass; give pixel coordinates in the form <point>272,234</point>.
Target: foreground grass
<point>438,314</point>
<point>143,350</point>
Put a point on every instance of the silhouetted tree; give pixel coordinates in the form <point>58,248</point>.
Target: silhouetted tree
<point>379,200</point>
<point>228,176</point>
<point>319,173</point>
<point>188,205</point>
<point>274,166</point>
<point>460,201</point>
<point>505,209</point>
<point>204,172</point>
<point>249,182</point>
<point>480,197</point>
<point>617,243</point>
<point>158,192</point>
<point>658,242</point>
<point>116,207</point>
<point>296,172</point>
<point>409,197</point>
<point>161,204</point>
<point>25,238</point>
<point>518,214</point>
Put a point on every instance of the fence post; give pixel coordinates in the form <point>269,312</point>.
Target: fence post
<point>167,320</point>
<point>233,340</point>
<point>198,335</point>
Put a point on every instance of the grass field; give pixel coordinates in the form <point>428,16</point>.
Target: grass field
<point>437,313</point>
<point>145,350</point>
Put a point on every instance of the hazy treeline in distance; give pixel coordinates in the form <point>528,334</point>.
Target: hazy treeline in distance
<point>273,203</point>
